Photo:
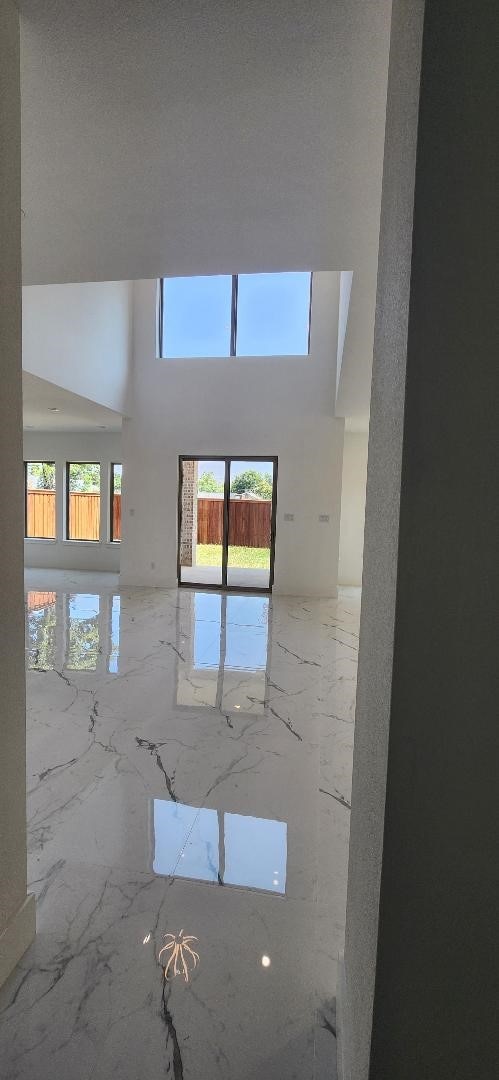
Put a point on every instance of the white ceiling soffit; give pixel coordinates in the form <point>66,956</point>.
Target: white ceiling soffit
<point>353,393</point>
<point>180,137</point>
<point>73,413</point>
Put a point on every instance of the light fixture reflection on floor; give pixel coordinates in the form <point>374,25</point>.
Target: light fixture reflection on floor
<point>265,961</point>
<point>181,950</point>
<point>146,939</point>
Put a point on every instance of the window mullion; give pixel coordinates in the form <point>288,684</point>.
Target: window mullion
<point>233,318</point>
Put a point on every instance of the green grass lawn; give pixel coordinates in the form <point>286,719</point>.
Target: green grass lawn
<point>211,555</point>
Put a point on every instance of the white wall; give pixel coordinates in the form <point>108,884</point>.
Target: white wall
<point>238,406</point>
<point>346,277</point>
<point>17,910</point>
<point>353,504</point>
<point>379,596</point>
<point>422,976</point>
<point>77,446</point>
<point>354,378</point>
<point>79,337</point>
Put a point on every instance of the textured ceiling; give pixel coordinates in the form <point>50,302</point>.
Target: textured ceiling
<point>181,137</point>
<point>206,136</point>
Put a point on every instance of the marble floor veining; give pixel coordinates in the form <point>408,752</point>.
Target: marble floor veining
<point>189,770</point>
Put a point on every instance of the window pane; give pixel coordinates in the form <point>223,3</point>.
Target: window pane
<point>273,312</point>
<point>197,316</point>
<point>84,500</point>
<point>40,499</point>
<point>201,529</point>
<point>116,485</point>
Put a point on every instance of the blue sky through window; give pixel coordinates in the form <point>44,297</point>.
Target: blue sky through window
<point>273,312</point>
<point>218,468</point>
<point>196,317</point>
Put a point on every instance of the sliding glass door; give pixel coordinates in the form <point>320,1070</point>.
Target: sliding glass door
<point>226,510</point>
<point>251,486</point>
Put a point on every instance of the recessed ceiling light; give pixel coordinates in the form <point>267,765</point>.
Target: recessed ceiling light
<point>53,409</point>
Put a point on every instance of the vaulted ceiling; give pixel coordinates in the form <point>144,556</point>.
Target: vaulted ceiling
<point>201,136</point>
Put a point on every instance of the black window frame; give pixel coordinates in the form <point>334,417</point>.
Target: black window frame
<point>112,538</point>
<point>228,459</point>
<point>82,539</point>
<point>33,462</point>
<point>233,318</point>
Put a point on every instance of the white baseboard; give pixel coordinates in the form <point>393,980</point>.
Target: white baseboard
<point>307,594</point>
<point>17,937</point>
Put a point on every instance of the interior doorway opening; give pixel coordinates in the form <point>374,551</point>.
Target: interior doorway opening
<point>226,521</point>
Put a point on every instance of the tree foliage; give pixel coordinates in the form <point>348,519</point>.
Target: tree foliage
<point>208,482</point>
<point>258,483</point>
<point>84,476</point>
<point>41,476</point>
<point>41,639</point>
<point>83,645</point>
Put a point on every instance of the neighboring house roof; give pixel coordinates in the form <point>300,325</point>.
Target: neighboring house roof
<point>233,495</point>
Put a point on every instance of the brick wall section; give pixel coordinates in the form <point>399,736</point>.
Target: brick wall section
<point>188,538</point>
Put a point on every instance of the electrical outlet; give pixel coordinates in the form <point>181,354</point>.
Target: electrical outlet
<point>324,518</point>
<point>289,517</point>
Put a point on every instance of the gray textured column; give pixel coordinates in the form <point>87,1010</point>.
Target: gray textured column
<point>420,985</point>
<point>17,911</point>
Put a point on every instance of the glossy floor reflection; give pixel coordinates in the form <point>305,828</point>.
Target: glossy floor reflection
<point>189,763</point>
<point>88,631</point>
<point>226,849</point>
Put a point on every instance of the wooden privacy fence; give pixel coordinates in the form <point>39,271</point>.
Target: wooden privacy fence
<point>84,515</point>
<point>38,600</point>
<point>40,514</point>
<point>116,516</point>
<point>249,522</point>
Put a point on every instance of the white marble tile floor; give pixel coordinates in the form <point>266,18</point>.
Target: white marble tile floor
<point>189,772</point>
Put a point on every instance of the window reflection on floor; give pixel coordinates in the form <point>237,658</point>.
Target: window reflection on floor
<point>83,632</point>
<point>41,630</point>
<point>222,848</point>
<point>114,646</point>
<point>76,631</point>
<point>224,641</point>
